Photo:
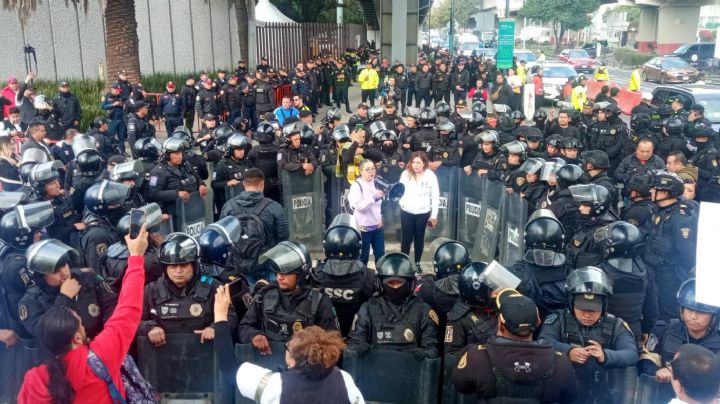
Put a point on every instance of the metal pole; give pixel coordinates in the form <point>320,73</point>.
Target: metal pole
<point>451,35</point>
<point>507,8</point>
<point>340,6</point>
<point>524,26</point>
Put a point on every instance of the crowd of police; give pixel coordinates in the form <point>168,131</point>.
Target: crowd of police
<point>609,243</point>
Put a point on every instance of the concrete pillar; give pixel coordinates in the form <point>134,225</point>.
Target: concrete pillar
<point>647,34</point>
<point>399,22</point>
<point>676,26</point>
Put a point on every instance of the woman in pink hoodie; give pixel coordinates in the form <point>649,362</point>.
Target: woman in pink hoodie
<point>67,378</point>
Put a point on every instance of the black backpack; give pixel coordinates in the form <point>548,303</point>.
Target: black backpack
<point>252,239</point>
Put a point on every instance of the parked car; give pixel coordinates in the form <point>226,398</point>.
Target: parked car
<point>591,48</point>
<point>695,52</point>
<point>579,59</point>
<point>705,95</point>
<point>666,69</point>
<point>528,56</point>
<point>555,75</point>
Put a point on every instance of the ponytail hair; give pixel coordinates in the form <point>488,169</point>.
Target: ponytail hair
<point>56,329</point>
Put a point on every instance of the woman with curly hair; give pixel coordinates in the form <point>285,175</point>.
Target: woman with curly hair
<point>311,356</point>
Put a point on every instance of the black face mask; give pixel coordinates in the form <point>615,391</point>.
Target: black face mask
<point>115,215</point>
<point>397,295</point>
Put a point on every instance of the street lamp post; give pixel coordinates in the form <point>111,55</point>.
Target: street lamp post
<point>452,27</point>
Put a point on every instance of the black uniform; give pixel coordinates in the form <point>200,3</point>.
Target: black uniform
<point>15,279</point>
<point>545,285</point>
<point>96,238</point>
<point>667,337</point>
<point>94,303</point>
<point>138,128</point>
<point>167,180</point>
<point>264,157</point>
<point>188,94</point>
<point>265,98</point>
<point>446,150</point>
<point>278,314</point>
<point>441,86</point>
<point>63,227</point>
<point>613,139</point>
<point>207,102</point>
<point>670,252</point>
<point>247,97</point>
<point>228,169</point>
<point>107,145</point>
<point>582,250</point>
<point>291,159</point>
<point>467,325</point>
<point>76,183</point>
<point>67,109</point>
<point>348,284</point>
<point>641,214</point>
<point>172,110</point>
<point>113,263</point>
<point>706,160</point>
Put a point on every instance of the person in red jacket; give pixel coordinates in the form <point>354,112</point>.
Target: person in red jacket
<point>9,92</point>
<point>67,378</point>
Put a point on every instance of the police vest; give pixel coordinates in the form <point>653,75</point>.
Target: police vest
<point>603,333</point>
<point>508,391</point>
<point>478,328</point>
<point>629,283</point>
<point>341,280</point>
<point>266,160</point>
<point>112,265</point>
<point>677,336</point>
<point>280,323</point>
<point>394,328</point>
<point>185,313</point>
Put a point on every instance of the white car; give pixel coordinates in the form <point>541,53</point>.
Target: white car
<point>555,75</point>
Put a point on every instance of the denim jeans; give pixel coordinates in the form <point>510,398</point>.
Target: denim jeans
<point>376,239</point>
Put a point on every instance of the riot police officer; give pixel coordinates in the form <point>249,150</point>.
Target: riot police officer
<point>592,338</point>
<point>641,211</point>
<point>594,207</point>
<point>107,145</point>
<point>130,174</point>
<point>295,157</point>
<point>570,150</point>
<point>173,179</point>
<point>543,269</point>
<point>396,319</point>
<point>45,179</point>
<point>507,171</point>
<point>440,290</point>
<point>57,281</point>
<point>426,135</point>
<point>670,248</point>
<point>207,100</point>
<point>229,172</point>
<point>288,304</point>
<point>697,325</point>
<point>487,157</point>
<point>389,147</point>
<point>610,135</point>
<point>597,163</point>
<point>104,202</point>
<point>113,262</point>
<point>181,300</point>
<point>562,203</point>
<point>138,125</point>
<point>634,298</point>
<point>473,123</point>
<point>214,141</point>
<point>84,171</point>
<point>706,160</point>
<point>473,319</point>
<point>445,149</point>
<point>264,157</point>
<point>673,138</point>
<point>342,276</point>
<point>18,229</point>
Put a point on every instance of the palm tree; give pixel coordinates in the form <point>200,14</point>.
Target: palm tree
<point>121,40</point>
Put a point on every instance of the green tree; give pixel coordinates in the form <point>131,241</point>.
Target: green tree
<point>561,14</point>
<point>303,10</point>
<point>464,11</point>
<point>633,13</point>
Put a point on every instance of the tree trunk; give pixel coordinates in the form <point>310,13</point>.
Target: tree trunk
<point>558,36</point>
<point>562,35</point>
<point>121,39</point>
<point>241,15</point>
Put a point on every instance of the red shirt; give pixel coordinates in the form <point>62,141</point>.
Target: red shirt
<point>111,346</point>
<point>539,89</point>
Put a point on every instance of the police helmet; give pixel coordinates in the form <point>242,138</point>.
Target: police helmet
<point>18,226</point>
<point>11,199</point>
<point>487,136</point>
<point>185,130</point>
<point>427,118</point>
<point>100,196</point>
<point>533,134</point>
<point>122,228</point>
<point>674,126</point>
<point>442,109</point>
<point>241,124</point>
<point>222,133</point>
<point>44,173</point>
<point>148,148</point>
<point>183,135</point>
<point>47,256</point>
<point>664,180</point>
<point>307,134</point>
<point>640,182</point>
<point>238,141</point>
<point>517,115</point>
<point>173,145</point>
<point>217,240</point>
<point>532,165</point>
<point>129,170</point>
<point>570,143</point>
<point>505,123</point>
<point>449,257</point>
<point>544,232</point>
<point>515,147</point>
<point>395,265</point>
<point>618,240</point>
<point>376,127</point>
<point>333,114</point>
<point>594,195</point>
<point>555,140</point>
<point>448,127</point>
<point>700,131</point>
<point>99,121</point>
<point>588,283</point>
<point>479,107</point>
<point>575,116</point>
<point>376,111</point>
<point>178,248</point>
<point>388,135</point>
<point>640,121</point>
<point>341,134</point>
<point>472,288</point>
<point>550,169</point>
<point>568,175</point>
<point>475,120</point>
<point>687,299</point>
<point>611,110</point>
<point>342,240</point>
<point>291,129</point>
<point>90,161</point>
<point>33,156</point>
<point>82,144</point>
<point>540,116</point>
<point>287,257</point>
<point>598,158</point>
<point>265,133</point>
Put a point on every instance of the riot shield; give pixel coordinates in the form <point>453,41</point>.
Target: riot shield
<point>470,192</point>
<point>514,217</point>
<point>610,386</point>
<point>232,192</point>
<point>272,362</point>
<point>650,390</point>
<point>391,208</point>
<point>394,376</point>
<point>448,180</point>
<point>449,394</point>
<point>189,217</point>
<point>488,229</point>
<point>304,200</point>
<point>183,369</point>
<point>209,200</point>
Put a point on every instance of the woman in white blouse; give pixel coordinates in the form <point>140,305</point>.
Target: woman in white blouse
<point>419,205</point>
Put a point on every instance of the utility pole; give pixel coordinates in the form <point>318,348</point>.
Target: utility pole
<point>452,27</point>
